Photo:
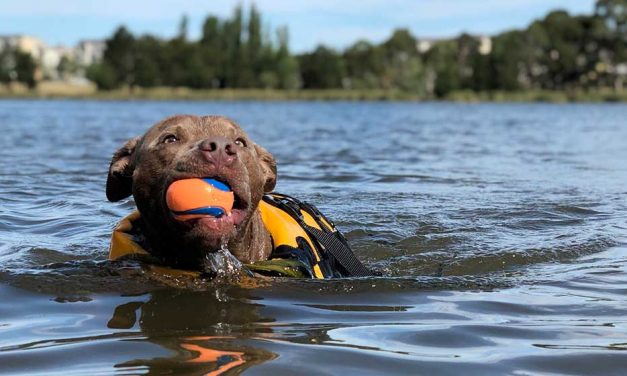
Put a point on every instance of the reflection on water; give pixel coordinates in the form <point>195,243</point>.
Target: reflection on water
<point>188,325</point>
<point>500,230</point>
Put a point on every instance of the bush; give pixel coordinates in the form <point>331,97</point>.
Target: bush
<point>103,76</point>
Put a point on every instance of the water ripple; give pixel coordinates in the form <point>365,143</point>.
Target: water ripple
<point>500,231</point>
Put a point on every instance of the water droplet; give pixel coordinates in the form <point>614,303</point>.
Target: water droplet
<point>221,264</point>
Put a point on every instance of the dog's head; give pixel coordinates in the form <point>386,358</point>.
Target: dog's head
<point>182,147</point>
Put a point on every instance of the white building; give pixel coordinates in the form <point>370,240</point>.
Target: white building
<point>88,52</point>
<point>425,44</point>
<point>485,45</point>
<point>51,57</point>
<point>48,58</point>
<point>26,43</point>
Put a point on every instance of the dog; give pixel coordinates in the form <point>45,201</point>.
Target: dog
<point>187,146</point>
<point>181,147</point>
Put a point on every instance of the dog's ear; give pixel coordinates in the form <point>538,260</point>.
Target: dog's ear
<point>120,178</point>
<point>268,166</point>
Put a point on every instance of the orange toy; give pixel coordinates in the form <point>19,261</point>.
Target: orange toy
<point>196,198</point>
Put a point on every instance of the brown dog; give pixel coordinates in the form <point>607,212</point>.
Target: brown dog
<point>183,147</point>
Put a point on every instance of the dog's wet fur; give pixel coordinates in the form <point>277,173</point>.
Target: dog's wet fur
<point>186,146</point>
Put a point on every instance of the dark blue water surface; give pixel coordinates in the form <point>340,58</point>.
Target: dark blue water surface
<point>501,231</point>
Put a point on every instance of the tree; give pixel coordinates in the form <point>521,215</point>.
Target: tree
<point>183,26</point>
<point>66,67</point>
<point>508,53</point>
<point>322,69</point>
<point>564,33</point>
<point>102,75</point>
<point>149,62</point>
<point>212,45</point>
<point>16,65</point>
<point>25,67</point>
<point>482,73</point>
<point>402,42</point>
<point>467,56</point>
<point>403,64</point>
<point>7,65</point>
<point>286,64</point>
<point>254,44</point>
<point>538,45</point>
<point>233,49</point>
<point>366,66</point>
<point>614,12</point>
<point>119,56</point>
<point>442,62</point>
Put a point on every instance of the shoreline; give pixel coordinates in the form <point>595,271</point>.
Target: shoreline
<point>60,91</point>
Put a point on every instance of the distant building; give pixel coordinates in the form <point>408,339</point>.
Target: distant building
<point>485,45</point>
<point>621,76</point>
<point>88,52</point>
<point>621,69</point>
<point>48,58</point>
<point>25,43</point>
<point>425,44</point>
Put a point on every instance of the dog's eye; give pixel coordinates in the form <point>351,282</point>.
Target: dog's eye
<point>169,139</point>
<point>240,142</point>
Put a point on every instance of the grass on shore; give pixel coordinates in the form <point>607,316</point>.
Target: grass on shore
<point>549,96</point>
<point>53,89</point>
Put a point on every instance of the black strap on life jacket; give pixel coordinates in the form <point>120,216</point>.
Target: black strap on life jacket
<point>329,242</point>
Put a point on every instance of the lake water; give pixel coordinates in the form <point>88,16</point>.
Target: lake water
<point>501,230</point>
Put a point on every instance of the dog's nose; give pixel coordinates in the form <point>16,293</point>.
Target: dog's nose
<point>218,150</point>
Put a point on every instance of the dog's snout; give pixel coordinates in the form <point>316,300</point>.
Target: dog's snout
<point>218,150</point>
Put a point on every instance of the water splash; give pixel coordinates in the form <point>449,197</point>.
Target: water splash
<point>222,265</point>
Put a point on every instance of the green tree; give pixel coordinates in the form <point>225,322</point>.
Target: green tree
<point>66,67</point>
<point>401,42</point>
<point>565,34</point>
<point>120,57</point>
<point>322,69</point>
<point>254,45</point>
<point>366,66</point>
<point>482,73</point>
<point>212,33</point>
<point>25,67</point>
<point>102,75</point>
<point>538,48</point>
<point>614,12</point>
<point>212,44</point>
<point>149,62</point>
<point>7,65</point>
<point>508,53</point>
<point>233,50</point>
<point>467,57</point>
<point>443,71</point>
<point>286,64</point>
<point>183,26</point>
<point>404,68</point>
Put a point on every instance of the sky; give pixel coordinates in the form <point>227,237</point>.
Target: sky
<point>335,23</point>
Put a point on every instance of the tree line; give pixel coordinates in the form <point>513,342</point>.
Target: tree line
<point>557,52</point>
<point>231,53</point>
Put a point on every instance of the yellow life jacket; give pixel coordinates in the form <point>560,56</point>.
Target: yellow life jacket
<point>305,243</point>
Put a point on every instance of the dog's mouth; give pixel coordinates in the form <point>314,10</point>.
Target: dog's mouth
<point>212,225</point>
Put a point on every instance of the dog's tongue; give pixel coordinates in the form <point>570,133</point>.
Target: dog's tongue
<point>197,198</point>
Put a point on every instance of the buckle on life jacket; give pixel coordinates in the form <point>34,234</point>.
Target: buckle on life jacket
<point>336,259</point>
